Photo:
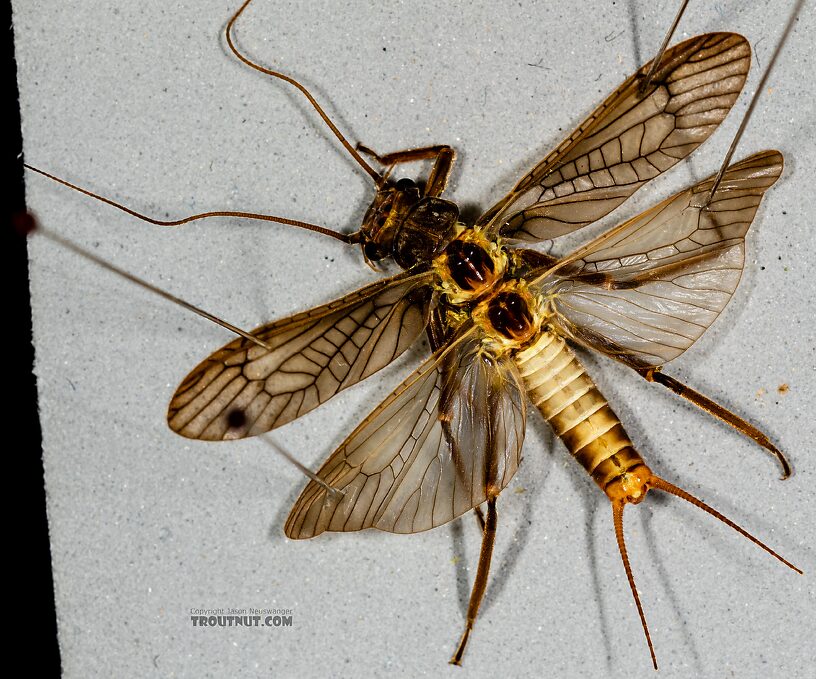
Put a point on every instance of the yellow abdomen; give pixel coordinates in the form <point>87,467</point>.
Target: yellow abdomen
<point>569,400</point>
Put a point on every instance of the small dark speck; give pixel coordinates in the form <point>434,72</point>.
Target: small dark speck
<point>779,257</point>
<point>540,64</point>
<point>762,268</point>
<point>784,213</point>
<point>236,418</point>
<point>384,50</point>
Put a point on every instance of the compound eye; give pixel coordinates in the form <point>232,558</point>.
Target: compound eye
<point>404,184</point>
<point>372,252</point>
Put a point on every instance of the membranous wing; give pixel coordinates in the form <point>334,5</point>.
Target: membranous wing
<point>629,139</point>
<point>245,389</point>
<point>449,435</point>
<point>646,290</point>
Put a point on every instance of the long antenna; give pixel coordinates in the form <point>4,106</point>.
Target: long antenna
<point>26,224</point>
<point>752,105</point>
<point>378,179</point>
<point>345,238</point>
<point>656,61</point>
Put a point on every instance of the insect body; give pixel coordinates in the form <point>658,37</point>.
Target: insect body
<point>499,315</point>
<point>404,470</point>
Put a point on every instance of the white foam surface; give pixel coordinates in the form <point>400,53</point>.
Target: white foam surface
<point>143,103</point>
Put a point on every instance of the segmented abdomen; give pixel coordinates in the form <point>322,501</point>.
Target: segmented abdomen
<point>569,400</point>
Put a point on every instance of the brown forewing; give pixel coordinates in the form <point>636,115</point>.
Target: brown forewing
<point>629,139</point>
<point>244,389</point>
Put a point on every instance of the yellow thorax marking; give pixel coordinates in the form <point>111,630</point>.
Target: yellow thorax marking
<point>456,295</point>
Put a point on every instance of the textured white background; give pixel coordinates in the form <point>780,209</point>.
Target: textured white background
<point>140,101</point>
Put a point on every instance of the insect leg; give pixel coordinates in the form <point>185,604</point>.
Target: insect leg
<point>445,404</point>
<point>480,519</point>
<point>443,155</point>
<point>445,415</point>
<point>438,334</point>
<point>480,583</point>
<point>406,155</point>
<point>792,18</point>
<point>29,226</point>
<point>718,411</point>
<point>656,61</point>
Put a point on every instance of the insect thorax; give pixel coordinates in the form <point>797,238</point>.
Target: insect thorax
<point>470,266</point>
<point>477,278</point>
<point>510,317</point>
